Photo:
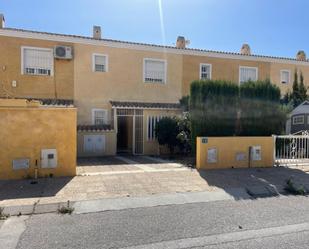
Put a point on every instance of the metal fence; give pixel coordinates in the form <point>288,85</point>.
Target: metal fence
<point>292,150</point>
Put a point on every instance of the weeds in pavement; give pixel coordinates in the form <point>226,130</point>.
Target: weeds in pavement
<point>295,189</point>
<point>3,216</point>
<point>66,209</point>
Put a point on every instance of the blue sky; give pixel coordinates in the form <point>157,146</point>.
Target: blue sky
<point>271,27</point>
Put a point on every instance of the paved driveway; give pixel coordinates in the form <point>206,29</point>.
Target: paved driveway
<point>139,176</point>
<point>125,164</point>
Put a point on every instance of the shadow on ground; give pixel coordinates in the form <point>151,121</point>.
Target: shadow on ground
<point>42,187</point>
<point>258,182</point>
<point>121,159</point>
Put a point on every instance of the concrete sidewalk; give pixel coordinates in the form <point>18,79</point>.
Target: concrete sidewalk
<point>49,193</point>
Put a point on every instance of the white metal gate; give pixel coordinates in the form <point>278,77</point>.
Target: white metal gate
<point>291,150</point>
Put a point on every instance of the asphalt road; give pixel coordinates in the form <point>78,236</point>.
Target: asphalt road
<point>266,223</point>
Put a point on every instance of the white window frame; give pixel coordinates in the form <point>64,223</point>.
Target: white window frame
<point>299,122</point>
<point>246,67</point>
<point>93,115</point>
<point>36,48</point>
<point>285,71</point>
<point>210,70</point>
<point>165,70</point>
<point>93,62</point>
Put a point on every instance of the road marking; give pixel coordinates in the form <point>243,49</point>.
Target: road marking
<point>11,231</point>
<point>226,237</point>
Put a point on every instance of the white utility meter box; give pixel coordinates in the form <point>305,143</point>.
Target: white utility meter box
<point>49,158</point>
<point>256,153</point>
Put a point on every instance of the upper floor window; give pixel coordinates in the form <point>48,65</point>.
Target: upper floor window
<point>154,71</point>
<point>297,120</point>
<point>248,74</point>
<point>205,71</point>
<point>99,116</point>
<point>37,61</point>
<point>285,76</point>
<point>99,63</point>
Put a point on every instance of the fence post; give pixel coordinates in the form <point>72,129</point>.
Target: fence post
<point>274,155</point>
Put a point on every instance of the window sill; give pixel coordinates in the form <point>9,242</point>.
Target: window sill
<point>157,83</point>
<point>43,75</point>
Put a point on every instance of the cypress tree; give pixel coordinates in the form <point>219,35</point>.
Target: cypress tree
<point>302,88</point>
<point>295,93</point>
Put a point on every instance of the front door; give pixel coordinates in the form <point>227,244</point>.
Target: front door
<point>130,131</point>
<point>125,134</point>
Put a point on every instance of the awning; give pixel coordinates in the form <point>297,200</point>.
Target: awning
<point>94,128</point>
<point>52,102</point>
<point>144,105</point>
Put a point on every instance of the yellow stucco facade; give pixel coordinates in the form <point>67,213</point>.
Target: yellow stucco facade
<point>234,152</point>
<point>222,69</point>
<point>123,79</point>
<point>34,86</point>
<point>26,130</point>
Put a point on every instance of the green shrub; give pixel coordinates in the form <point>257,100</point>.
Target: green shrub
<point>175,132</point>
<point>213,108</point>
<point>184,103</point>
<point>261,90</point>
<point>66,209</point>
<point>294,189</point>
<point>166,132</point>
<point>222,108</point>
<point>3,216</point>
<point>184,135</point>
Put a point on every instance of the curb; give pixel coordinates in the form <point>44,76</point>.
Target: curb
<point>111,204</point>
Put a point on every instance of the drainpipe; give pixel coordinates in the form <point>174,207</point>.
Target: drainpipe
<point>249,157</point>
<point>36,170</point>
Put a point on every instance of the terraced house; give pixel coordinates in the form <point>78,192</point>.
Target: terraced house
<point>121,89</point>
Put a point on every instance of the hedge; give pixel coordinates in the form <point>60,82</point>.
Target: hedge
<point>222,108</point>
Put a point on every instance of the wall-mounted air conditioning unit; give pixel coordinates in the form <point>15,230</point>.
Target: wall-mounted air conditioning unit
<point>63,52</point>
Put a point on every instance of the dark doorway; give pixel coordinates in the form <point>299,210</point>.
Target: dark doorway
<point>125,134</point>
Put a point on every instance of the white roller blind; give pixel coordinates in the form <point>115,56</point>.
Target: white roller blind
<point>37,61</point>
<point>154,71</point>
<point>100,62</point>
<point>285,77</point>
<point>248,74</point>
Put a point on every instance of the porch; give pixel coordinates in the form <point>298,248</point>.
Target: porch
<point>130,130</point>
